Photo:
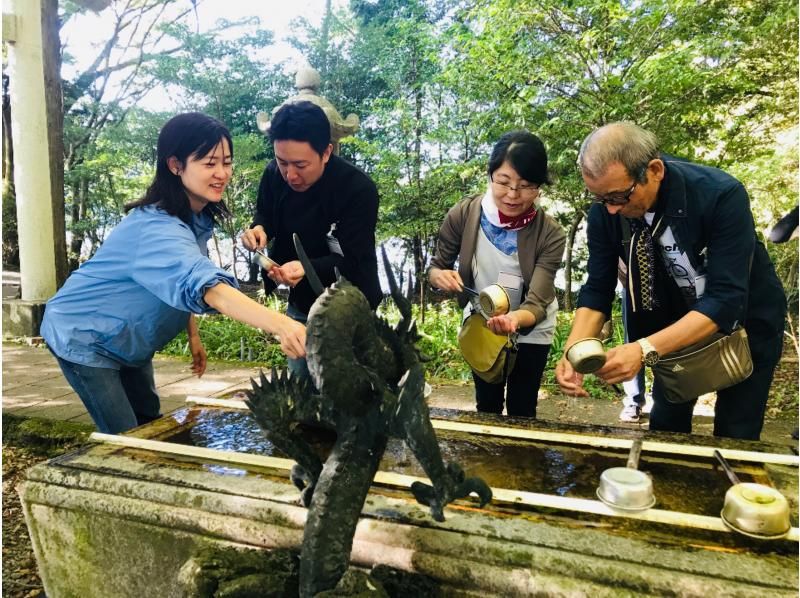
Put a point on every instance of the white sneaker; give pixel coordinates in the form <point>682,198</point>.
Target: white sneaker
<point>630,414</point>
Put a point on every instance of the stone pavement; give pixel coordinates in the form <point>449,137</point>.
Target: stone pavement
<point>33,385</point>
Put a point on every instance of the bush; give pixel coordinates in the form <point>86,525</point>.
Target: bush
<point>439,342</point>
<point>224,340</point>
<point>228,340</point>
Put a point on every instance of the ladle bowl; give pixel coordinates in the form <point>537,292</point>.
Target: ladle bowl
<point>494,301</point>
<point>627,488</point>
<point>754,510</point>
<point>264,261</point>
<point>586,355</point>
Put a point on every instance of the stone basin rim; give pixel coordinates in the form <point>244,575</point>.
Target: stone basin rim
<point>566,438</point>
<point>515,497</point>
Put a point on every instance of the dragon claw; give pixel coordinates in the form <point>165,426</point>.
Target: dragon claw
<point>454,486</point>
<point>456,472</point>
<point>476,485</point>
<point>303,482</point>
<point>426,495</point>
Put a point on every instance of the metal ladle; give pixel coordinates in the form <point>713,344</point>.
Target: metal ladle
<point>627,488</point>
<point>754,510</point>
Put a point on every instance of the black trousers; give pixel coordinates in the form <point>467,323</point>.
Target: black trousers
<point>739,410</point>
<point>523,384</point>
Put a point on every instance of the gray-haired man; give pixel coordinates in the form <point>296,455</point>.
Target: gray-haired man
<point>693,223</point>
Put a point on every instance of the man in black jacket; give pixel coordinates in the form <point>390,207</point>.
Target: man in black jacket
<point>328,202</point>
<point>698,268</point>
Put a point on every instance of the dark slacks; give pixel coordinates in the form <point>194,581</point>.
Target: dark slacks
<point>739,410</point>
<point>520,392</point>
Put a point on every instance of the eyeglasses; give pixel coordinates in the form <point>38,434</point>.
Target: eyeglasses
<point>521,189</point>
<point>618,198</point>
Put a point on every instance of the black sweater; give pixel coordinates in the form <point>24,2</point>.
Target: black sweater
<point>343,195</point>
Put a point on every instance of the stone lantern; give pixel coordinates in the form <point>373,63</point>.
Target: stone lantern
<point>307,82</point>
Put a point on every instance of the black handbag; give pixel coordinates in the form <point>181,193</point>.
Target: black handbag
<point>718,362</point>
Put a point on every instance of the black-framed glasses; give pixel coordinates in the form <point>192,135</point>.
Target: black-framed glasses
<point>521,189</point>
<point>617,198</point>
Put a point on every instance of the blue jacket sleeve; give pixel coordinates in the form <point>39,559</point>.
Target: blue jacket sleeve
<point>604,242</point>
<point>730,247</point>
<point>169,264</point>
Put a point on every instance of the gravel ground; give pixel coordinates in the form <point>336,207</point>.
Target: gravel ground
<point>20,578</point>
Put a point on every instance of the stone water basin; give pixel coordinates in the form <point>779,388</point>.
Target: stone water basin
<point>686,486</point>
<point>104,516</point>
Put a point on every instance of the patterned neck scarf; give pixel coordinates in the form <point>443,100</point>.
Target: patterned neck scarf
<point>642,265</point>
<point>499,219</point>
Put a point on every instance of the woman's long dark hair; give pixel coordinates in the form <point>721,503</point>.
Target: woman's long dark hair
<point>189,135</point>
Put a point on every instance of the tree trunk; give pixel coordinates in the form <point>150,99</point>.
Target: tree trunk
<point>573,230</point>
<point>418,254</point>
<point>77,212</point>
<point>51,42</point>
<point>10,239</point>
<point>324,41</point>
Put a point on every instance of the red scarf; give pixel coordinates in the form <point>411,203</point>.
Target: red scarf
<point>497,218</point>
<point>517,222</point>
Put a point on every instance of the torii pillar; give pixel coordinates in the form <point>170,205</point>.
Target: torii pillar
<point>31,30</point>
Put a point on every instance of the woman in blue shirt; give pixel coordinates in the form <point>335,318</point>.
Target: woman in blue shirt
<point>149,278</point>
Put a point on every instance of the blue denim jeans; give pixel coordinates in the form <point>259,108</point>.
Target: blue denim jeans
<point>298,367</point>
<point>117,400</point>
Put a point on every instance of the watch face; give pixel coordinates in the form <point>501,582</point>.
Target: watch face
<point>650,358</point>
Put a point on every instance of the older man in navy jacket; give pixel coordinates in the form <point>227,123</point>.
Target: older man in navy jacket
<point>699,269</point>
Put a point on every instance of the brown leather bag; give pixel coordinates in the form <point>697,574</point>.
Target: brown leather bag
<point>490,355</point>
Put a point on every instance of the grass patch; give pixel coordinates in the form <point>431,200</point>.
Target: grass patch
<point>42,436</point>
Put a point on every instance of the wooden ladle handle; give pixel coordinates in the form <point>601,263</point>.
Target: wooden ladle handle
<point>634,454</point>
<point>726,466</point>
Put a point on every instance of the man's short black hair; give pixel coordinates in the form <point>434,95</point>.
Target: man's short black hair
<point>301,121</point>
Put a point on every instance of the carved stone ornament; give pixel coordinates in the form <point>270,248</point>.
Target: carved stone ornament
<point>307,82</point>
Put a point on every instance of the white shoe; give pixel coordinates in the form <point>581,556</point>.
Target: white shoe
<point>630,414</point>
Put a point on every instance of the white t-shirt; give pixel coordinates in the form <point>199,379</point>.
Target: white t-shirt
<point>689,281</point>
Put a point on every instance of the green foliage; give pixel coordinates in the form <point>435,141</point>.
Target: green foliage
<point>225,340</point>
<point>110,143</point>
<point>696,74</point>
<point>114,170</point>
<point>222,77</point>
<point>439,341</point>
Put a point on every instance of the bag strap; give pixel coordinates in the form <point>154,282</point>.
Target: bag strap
<point>510,346</point>
<point>626,233</point>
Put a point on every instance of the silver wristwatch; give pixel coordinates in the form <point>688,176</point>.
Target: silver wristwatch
<point>650,356</point>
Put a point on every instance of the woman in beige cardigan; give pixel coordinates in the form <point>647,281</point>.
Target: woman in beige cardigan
<point>503,236</point>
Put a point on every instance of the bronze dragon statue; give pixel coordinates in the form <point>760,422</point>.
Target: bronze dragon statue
<point>369,384</point>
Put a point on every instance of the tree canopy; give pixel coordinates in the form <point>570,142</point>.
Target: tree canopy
<point>435,84</point>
